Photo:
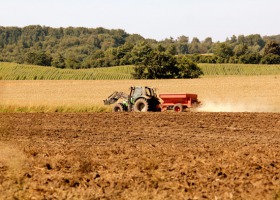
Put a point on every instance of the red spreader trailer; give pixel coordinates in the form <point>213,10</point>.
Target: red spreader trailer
<point>178,102</point>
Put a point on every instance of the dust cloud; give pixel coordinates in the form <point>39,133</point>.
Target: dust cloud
<point>253,106</point>
<point>12,158</point>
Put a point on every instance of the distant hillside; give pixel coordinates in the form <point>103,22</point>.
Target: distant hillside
<point>99,47</point>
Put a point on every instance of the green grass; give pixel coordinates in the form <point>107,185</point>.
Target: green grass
<point>53,109</point>
<point>239,69</point>
<point>13,71</point>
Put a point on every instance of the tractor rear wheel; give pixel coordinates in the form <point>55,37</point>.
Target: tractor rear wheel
<point>178,107</point>
<point>141,105</point>
<point>119,107</point>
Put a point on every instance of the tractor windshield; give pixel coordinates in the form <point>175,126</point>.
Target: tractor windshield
<point>137,92</point>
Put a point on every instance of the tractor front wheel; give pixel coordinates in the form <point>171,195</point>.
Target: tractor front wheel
<point>119,107</point>
<point>141,105</point>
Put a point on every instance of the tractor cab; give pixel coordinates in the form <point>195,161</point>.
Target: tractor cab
<point>140,99</point>
<point>144,92</point>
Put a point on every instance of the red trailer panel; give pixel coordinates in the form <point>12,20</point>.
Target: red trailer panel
<point>179,100</point>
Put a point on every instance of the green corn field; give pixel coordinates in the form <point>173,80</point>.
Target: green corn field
<point>239,69</point>
<point>13,71</point>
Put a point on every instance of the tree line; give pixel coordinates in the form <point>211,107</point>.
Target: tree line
<point>99,47</point>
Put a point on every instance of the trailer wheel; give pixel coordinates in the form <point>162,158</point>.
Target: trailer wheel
<point>141,105</point>
<point>119,107</point>
<point>178,107</point>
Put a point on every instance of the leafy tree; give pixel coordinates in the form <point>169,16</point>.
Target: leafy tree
<point>241,39</point>
<point>100,47</point>
<point>168,41</point>
<point>31,58</point>
<point>271,47</point>
<point>187,68</point>
<point>183,44</point>
<point>206,45</point>
<point>123,50</point>
<point>240,49</point>
<point>275,38</point>
<point>208,59</point>
<point>223,50</point>
<point>161,65</point>
<point>183,48</point>
<point>194,46</point>
<point>119,36</point>
<point>254,49</point>
<point>58,61</point>
<point>157,66</point>
<point>38,58</point>
<point>72,61</point>
<point>171,50</point>
<point>134,39</point>
<point>270,59</point>
<point>233,59</point>
<point>183,39</point>
<point>140,52</point>
<point>98,54</point>
<point>251,58</point>
<point>160,48</point>
<point>233,39</point>
<point>254,39</point>
<point>222,60</point>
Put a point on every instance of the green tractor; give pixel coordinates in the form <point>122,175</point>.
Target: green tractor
<point>140,99</point>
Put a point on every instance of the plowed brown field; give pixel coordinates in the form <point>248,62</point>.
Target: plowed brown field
<point>140,156</point>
